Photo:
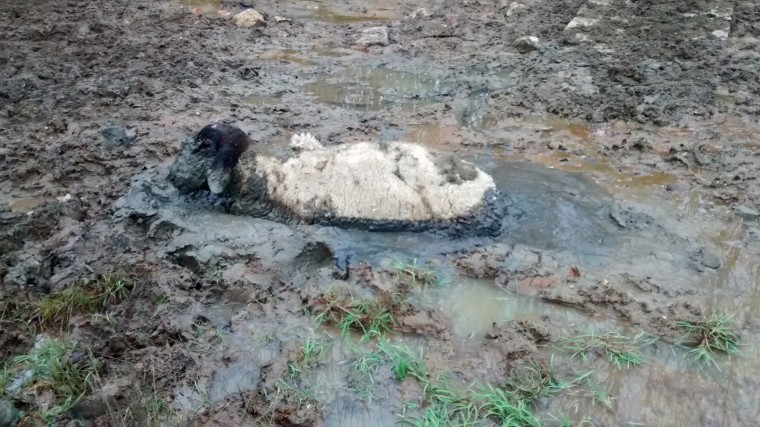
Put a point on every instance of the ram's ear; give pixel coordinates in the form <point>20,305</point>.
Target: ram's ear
<point>218,178</point>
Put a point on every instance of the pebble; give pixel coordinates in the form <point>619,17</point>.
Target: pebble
<point>527,44</point>
<point>249,18</point>
<point>420,13</point>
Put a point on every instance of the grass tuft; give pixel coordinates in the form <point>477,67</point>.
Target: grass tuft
<point>621,350</point>
<point>84,298</point>
<point>110,289</point>
<point>709,337</point>
<point>361,377</point>
<point>445,406</point>
<point>312,351</point>
<point>57,366</point>
<point>371,316</point>
<point>415,276</point>
<point>529,383</point>
<point>60,307</point>
<point>506,407</point>
<point>404,362</point>
<point>5,377</point>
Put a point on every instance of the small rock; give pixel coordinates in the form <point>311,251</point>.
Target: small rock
<point>374,36</point>
<point>746,213</point>
<point>514,8</point>
<point>249,18</point>
<point>279,19</point>
<point>118,136</point>
<point>8,413</point>
<point>526,44</point>
<point>420,13</point>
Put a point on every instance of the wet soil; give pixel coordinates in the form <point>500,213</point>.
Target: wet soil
<point>627,140</point>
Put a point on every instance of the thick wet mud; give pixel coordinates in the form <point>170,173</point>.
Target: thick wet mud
<point>626,137</point>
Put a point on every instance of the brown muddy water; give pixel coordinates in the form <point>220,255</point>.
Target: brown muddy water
<point>615,223</point>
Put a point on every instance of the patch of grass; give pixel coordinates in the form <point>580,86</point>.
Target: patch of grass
<point>60,307</point>
<point>621,350</point>
<point>363,369</point>
<point>312,351</point>
<point>709,337</point>
<point>599,394</point>
<point>415,275</point>
<point>367,315</point>
<point>294,372</point>
<point>58,366</point>
<point>84,298</point>
<point>367,363</point>
<point>371,316</point>
<point>162,299</point>
<point>530,382</point>
<point>110,289</point>
<point>442,415</point>
<point>506,407</point>
<point>156,408</point>
<point>295,392</point>
<point>444,406</point>
<point>403,361</point>
<point>5,377</point>
<point>217,277</point>
<point>510,405</point>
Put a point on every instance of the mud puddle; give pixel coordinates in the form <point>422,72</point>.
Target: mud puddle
<point>376,89</point>
<point>323,13</point>
<point>567,223</point>
<point>475,305</point>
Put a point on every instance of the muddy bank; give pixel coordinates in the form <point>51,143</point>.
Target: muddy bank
<point>600,61</point>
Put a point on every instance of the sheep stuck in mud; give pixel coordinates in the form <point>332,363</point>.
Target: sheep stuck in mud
<point>394,186</point>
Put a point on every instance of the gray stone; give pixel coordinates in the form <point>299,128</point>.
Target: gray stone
<point>513,8</point>
<point>527,44</point>
<point>711,260</point>
<point>374,36</point>
<point>420,13</point>
<point>249,18</point>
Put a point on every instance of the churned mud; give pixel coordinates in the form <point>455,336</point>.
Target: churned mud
<point>625,134</point>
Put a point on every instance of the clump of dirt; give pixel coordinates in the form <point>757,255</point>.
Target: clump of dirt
<point>517,343</point>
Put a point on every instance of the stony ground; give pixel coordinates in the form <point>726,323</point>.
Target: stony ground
<point>139,310</point>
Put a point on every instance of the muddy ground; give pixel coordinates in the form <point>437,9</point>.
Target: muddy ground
<point>627,134</point>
